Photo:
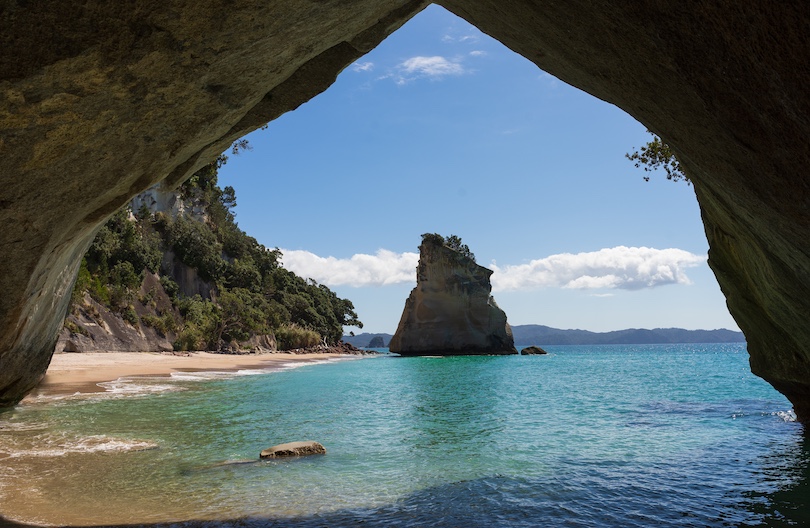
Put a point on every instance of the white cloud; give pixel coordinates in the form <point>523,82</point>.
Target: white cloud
<point>436,66</point>
<point>470,37</point>
<point>628,268</point>
<point>420,67</point>
<point>478,53</point>
<point>381,269</point>
<point>362,66</point>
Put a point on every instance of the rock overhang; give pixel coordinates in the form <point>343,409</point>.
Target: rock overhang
<point>101,100</point>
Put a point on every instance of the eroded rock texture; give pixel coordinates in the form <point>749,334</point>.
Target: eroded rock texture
<point>98,100</point>
<point>451,310</point>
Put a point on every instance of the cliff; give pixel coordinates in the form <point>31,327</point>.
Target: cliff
<point>93,327</point>
<point>174,272</point>
<point>451,311</point>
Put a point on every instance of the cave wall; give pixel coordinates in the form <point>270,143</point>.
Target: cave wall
<point>100,100</point>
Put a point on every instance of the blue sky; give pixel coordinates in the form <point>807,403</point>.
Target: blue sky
<point>443,129</point>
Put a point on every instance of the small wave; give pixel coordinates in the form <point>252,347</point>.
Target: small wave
<point>298,364</point>
<point>139,385</point>
<point>787,416</point>
<point>87,444</point>
<point>203,375</point>
<point>252,372</point>
<point>15,427</point>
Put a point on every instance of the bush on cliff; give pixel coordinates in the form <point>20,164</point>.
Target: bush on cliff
<point>656,154</point>
<point>453,242</point>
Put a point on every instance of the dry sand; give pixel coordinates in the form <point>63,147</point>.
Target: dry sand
<point>82,372</point>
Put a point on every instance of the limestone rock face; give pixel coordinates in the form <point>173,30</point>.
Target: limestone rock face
<point>99,100</point>
<point>103,331</point>
<point>451,311</point>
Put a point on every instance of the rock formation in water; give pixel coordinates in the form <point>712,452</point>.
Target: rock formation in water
<point>100,100</point>
<point>533,350</point>
<point>376,342</point>
<point>451,310</point>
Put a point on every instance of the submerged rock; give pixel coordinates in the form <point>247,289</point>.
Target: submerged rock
<point>533,351</point>
<point>291,449</point>
<point>451,311</point>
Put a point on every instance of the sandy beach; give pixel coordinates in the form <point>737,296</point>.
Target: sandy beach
<point>82,372</point>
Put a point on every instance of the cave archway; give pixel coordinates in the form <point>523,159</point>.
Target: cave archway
<point>103,100</point>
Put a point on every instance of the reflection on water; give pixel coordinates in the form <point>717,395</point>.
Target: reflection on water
<point>787,469</point>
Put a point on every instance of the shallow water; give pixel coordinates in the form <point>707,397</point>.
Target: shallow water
<point>586,436</point>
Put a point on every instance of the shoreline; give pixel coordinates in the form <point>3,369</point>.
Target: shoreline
<point>71,373</point>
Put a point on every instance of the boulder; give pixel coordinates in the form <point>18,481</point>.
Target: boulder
<point>532,351</point>
<point>292,449</point>
<point>451,311</point>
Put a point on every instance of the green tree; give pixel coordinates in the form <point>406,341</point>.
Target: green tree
<point>453,242</point>
<point>657,155</point>
<point>197,246</point>
<point>200,325</point>
<point>241,314</point>
<point>124,281</point>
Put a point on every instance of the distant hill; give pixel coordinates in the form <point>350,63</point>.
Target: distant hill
<point>526,335</point>
<point>544,335</point>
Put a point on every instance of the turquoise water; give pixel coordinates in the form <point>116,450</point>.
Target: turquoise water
<point>618,436</point>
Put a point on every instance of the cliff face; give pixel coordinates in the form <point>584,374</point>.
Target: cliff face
<point>99,100</point>
<point>91,327</point>
<point>94,327</point>
<point>451,311</point>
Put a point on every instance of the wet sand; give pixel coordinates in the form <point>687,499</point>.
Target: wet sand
<point>70,373</point>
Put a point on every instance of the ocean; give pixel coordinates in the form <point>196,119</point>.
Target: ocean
<point>598,436</point>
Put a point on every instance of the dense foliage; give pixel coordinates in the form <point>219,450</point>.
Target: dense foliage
<point>658,155</point>
<point>452,241</point>
<point>251,293</point>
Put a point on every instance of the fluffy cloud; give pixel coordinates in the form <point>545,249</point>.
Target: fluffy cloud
<point>432,67</point>
<point>362,66</point>
<point>628,268</point>
<point>381,269</point>
<point>471,37</point>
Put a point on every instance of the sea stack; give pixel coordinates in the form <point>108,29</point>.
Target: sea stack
<point>451,310</point>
